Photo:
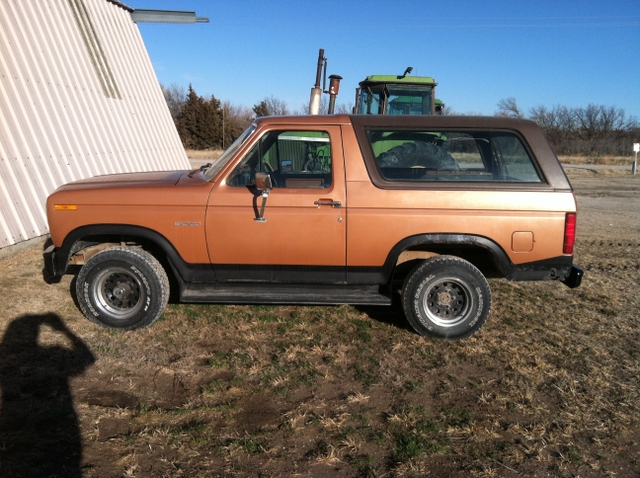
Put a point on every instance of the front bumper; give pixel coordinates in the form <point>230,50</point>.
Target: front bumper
<point>49,271</point>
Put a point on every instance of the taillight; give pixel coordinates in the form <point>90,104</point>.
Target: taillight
<point>569,233</point>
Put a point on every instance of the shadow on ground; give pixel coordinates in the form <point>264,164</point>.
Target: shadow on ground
<point>39,430</point>
<point>391,315</point>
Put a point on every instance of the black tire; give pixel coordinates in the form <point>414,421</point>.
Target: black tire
<point>122,288</point>
<point>446,297</point>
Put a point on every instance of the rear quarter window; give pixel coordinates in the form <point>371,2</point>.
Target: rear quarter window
<point>451,156</point>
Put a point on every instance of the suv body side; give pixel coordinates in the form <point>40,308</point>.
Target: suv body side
<point>344,222</point>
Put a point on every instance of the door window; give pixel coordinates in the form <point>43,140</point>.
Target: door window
<point>293,159</point>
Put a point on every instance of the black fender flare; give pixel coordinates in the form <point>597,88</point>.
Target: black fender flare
<point>185,271</point>
<point>499,256</point>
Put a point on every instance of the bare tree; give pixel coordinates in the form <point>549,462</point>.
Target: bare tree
<point>448,111</point>
<point>342,108</point>
<point>545,118</point>
<point>235,119</point>
<point>176,96</point>
<point>592,130</point>
<point>589,122</point>
<point>324,106</point>
<point>271,106</point>
<point>509,108</point>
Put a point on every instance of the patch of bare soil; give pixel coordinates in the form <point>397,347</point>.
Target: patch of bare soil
<point>548,388</point>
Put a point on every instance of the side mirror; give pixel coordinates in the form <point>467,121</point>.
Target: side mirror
<point>263,181</point>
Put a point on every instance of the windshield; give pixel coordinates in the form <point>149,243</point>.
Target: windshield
<point>405,100</point>
<point>219,163</point>
<point>397,100</point>
<point>370,101</point>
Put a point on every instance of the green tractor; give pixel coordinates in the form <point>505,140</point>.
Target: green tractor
<point>398,95</point>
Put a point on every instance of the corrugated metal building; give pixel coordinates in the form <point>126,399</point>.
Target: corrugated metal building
<point>78,98</point>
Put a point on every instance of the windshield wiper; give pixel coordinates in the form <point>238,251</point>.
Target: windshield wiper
<point>201,168</point>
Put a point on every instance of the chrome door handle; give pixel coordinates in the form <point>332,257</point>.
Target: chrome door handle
<point>328,202</point>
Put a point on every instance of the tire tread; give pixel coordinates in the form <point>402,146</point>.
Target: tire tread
<point>136,254</point>
<point>442,263</point>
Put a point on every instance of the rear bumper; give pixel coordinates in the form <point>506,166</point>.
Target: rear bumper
<point>574,279</point>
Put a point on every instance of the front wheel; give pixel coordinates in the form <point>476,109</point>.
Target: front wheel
<point>122,288</point>
<point>446,297</point>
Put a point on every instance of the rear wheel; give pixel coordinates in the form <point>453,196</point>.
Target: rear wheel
<point>122,288</point>
<point>446,297</point>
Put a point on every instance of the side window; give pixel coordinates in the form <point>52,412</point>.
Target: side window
<point>451,156</point>
<point>514,160</point>
<point>467,152</point>
<point>294,159</point>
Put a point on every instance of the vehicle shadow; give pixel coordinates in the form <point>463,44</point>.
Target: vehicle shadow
<point>39,430</point>
<point>392,315</point>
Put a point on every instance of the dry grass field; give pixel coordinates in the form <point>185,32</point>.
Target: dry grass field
<point>206,155</point>
<point>598,160</point>
<point>548,388</point>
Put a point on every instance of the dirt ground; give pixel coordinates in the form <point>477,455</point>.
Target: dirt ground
<point>548,388</point>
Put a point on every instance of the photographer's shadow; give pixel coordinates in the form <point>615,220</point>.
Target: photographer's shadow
<point>39,430</point>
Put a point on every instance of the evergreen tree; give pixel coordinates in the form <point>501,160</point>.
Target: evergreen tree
<point>261,109</point>
<point>212,128</point>
<point>189,118</point>
<point>199,122</point>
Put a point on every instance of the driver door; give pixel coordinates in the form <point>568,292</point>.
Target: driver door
<point>302,235</point>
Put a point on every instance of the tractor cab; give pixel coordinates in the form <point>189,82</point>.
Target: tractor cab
<point>397,95</point>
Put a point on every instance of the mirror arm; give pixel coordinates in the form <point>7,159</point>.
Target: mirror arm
<point>260,215</point>
<point>263,185</point>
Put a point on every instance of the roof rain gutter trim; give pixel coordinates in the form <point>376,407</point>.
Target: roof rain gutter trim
<point>165,16</point>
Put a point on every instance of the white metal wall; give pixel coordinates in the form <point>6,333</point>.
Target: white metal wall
<point>78,98</point>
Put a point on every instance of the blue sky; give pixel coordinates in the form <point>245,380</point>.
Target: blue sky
<point>541,52</point>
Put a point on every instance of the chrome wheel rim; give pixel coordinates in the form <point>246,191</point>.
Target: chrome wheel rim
<point>118,293</point>
<point>447,302</point>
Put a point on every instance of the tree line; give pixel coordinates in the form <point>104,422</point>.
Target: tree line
<point>594,130</point>
<point>205,123</point>
<point>208,123</point>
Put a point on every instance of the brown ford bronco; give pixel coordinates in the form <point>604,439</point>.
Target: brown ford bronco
<point>326,210</point>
